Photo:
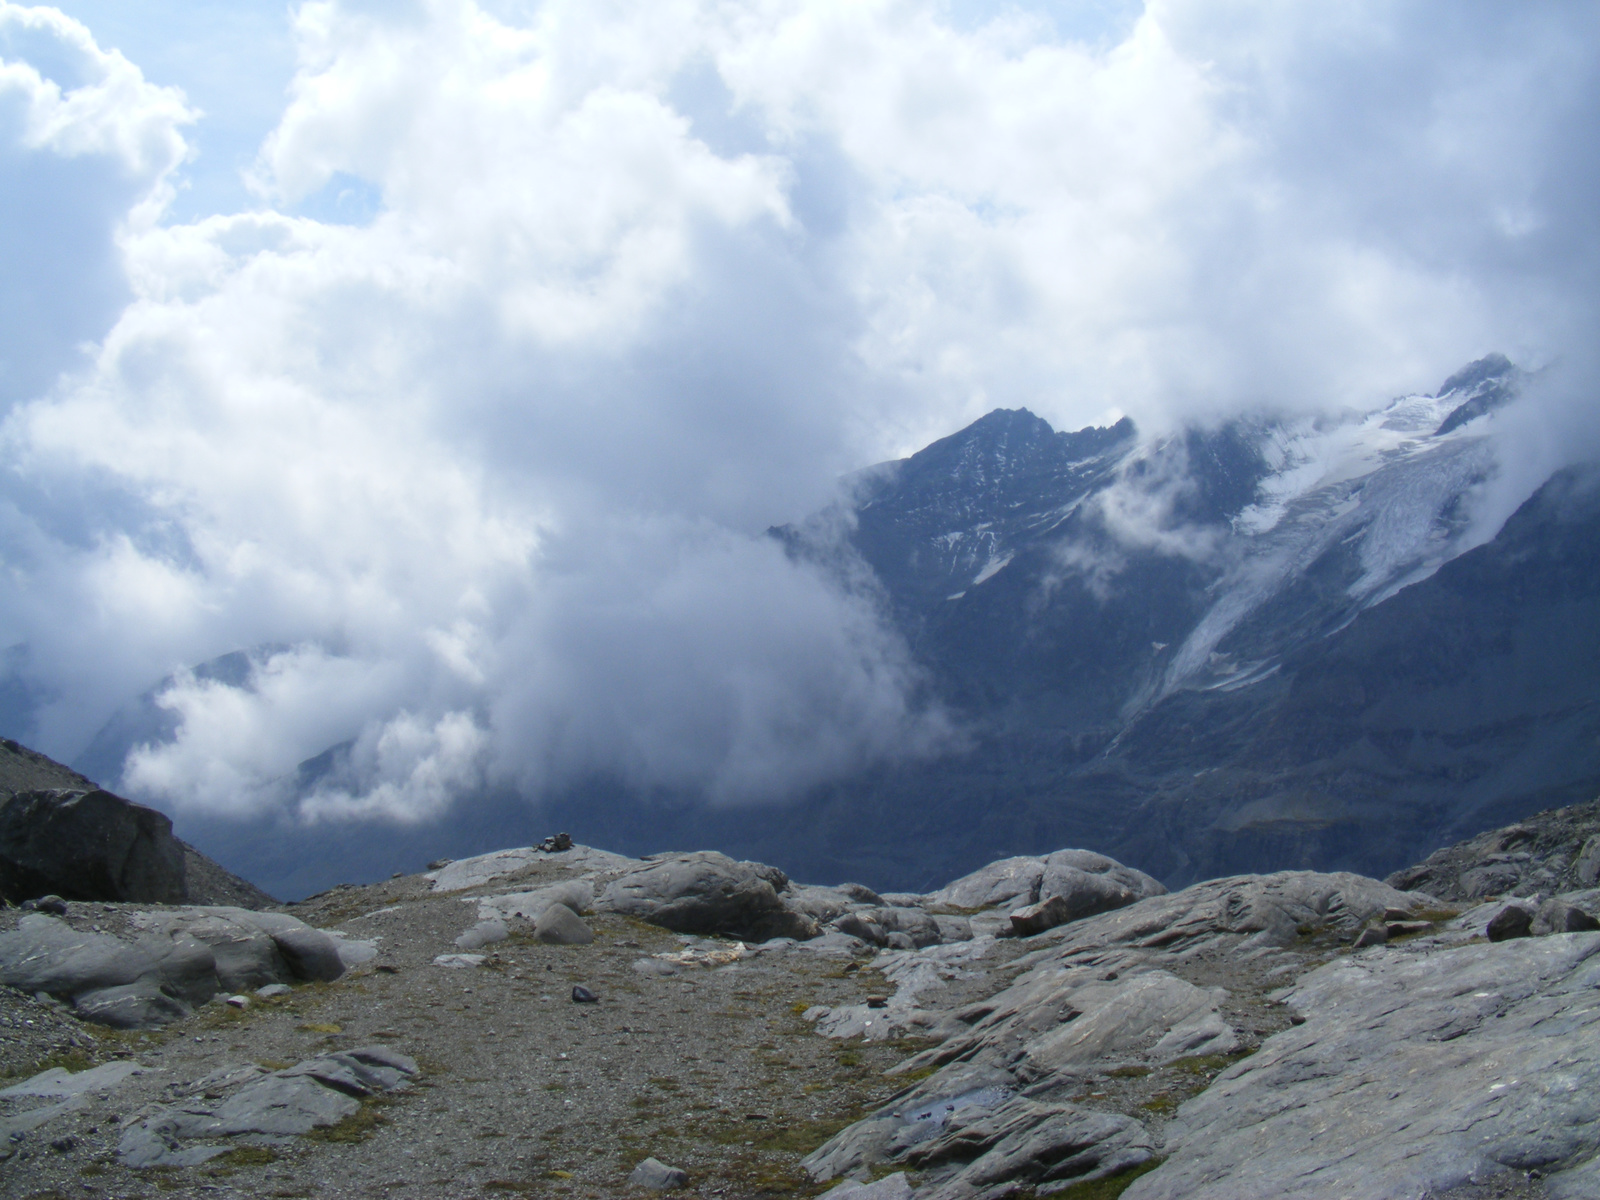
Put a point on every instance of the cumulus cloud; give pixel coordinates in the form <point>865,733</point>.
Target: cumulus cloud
<point>619,286</point>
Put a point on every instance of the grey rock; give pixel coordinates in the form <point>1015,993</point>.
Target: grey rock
<point>1551,852</point>
<point>825,904</point>
<point>656,1175</point>
<point>954,929</point>
<point>899,941</point>
<point>582,995</point>
<point>140,1005</point>
<point>709,893</point>
<point>59,1082</point>
<point>316,1093</point>
<point>858,926</point>
<point>558,925</point>
<point>921,927</point>
<point>1557,915</point>
<point>484,933</point>
<point>1010,882</point>
<point>1027,1142</point>
<point>45,954</point>
<point>1587,867</point>
<point>576,894</point>
<point>1412,1074</point>
<point>88,845</point>
<point>458,961</point>
<point>1086,883</point>
<point>1372,935</point>
<point>270,990</point>
<point>1512,921</point>
<point>54,905</point>
<point>890,1187</point>
<point>1036,918</point>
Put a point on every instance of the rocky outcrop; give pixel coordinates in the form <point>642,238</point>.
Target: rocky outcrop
<point>1548,853</point>
<point>88,845</point>
<point>169,962</point>
<point>710,893</point>
<point>1412,1073</point>
<point>1103,994</point>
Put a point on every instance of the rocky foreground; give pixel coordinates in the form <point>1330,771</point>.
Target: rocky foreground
<point>557,1020</point>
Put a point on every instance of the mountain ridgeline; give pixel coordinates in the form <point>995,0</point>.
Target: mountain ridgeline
<point>1257,646</point>
<point>1248,648</point>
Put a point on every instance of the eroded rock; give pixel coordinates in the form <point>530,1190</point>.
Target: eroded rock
<point>709,893</point>
<point>1411,1074</point>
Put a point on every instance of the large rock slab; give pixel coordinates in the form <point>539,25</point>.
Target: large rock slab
<point>709,893</point>
<point>973,1131</point>
<point>316,1093</point>
<point>1412,1074</point>
<point>87,845</point>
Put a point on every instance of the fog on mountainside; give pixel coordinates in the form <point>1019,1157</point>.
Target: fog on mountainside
<point>1252,646</point>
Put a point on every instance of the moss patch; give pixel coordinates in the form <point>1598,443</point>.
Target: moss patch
<point>1108,1188</point>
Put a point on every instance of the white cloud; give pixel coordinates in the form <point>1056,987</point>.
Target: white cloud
<point>624,284</point>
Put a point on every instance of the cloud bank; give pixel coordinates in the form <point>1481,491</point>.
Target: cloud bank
<point>544,312</point>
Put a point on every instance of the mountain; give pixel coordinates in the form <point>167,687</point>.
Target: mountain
<point>1258,645</point>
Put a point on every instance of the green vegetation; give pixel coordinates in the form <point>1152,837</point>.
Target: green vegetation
<point>1108,1188</point>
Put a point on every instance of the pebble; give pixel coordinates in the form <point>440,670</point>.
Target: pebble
<point>582,995</point>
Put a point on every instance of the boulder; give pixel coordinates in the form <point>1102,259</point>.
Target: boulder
<point>558,925</point>
<point>88,845</point>
<point>708,893</point>
<point>1085,882</point>
<point>657,1176</point>
<point>1512,921</point>
<point>1556,915</point>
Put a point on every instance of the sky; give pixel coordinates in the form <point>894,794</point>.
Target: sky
<point>451,358</point>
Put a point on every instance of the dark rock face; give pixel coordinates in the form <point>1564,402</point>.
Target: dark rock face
<point>88,845</point>
<point>24,770</point>
<point>1554,851</point>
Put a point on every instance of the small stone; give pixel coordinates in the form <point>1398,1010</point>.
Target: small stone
<point>64,1145</point>
<point>398,875</point>
<point>273,989</point>
<point>1372,935</point>
<point>458,961</point>
<point>582,995</point>
<point>556,843</point>
<point>238,1001</point>
<point>47,904</point>
<point>1512,921</point>
<point>877,1002</point>
<point>656,1175</point>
